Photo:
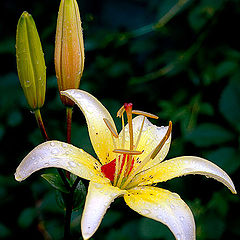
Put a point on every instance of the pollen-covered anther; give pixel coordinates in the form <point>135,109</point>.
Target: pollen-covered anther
<point>128,152</point>
<point>146,114</point>
<point>120,111</point>
<point>111,128</point>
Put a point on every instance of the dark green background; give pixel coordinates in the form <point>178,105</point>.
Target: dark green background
<point>187,71</point>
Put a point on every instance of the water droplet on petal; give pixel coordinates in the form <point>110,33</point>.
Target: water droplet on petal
<point>178,236</point>
<point>145,211</point>
<point>97,185</point>
<point>52,144</point>
<point>181,218</point>
<point>54,151</point>
<point>64,145</point>
<point>172,206</point>
<point>72,164</point>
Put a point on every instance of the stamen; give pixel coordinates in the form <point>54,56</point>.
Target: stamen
<point>128,152</point>
<point>122,170</point>
<point>146,114</point>
<point>123,132</point>
<point>164,139</point>
<point>120,111</point>
<point>111,128</point>
<point>128,109</point>
<point>152,156</point>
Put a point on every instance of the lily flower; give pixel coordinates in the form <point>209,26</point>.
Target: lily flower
<point>128,164</point>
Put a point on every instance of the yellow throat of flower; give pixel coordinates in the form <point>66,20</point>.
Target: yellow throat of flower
<point>122,169</point>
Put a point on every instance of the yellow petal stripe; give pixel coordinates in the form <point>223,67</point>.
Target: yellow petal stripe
<point>98,200</point>
<point>95,113</point>
<point>180,166</point>
<point>163,206</point>
<point>60,155</point>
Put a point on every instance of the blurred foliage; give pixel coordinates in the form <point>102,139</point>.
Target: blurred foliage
<point>178,59</point>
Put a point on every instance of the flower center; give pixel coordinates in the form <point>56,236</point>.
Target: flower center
<point>122,169</point>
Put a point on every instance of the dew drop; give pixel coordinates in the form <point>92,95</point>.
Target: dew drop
<point>178,236</point>
<point>64,145</point>
<point>54,151</point>
<point>145,211</point>
<point>52,144</point>
<point>97,185</point>
<point>172,206</point>
<point>72,164</point>
<point>181,218</point>
<point>46,164</point>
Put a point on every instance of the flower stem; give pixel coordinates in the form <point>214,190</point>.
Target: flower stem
<point>69,197</point>
<point>69,111</point>
<point>40,124</point>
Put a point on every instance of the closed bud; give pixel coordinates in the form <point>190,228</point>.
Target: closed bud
<point>69,49</point>
<point>30,62</point>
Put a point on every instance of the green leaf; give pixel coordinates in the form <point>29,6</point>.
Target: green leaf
<point>55,181</point>
<point>230,103</point>
<point>208,134</point>
<point>27,217</point>
<point>4,231</point>
<point>150,229</point>
<point>79,195</point>
<point>226,158</point>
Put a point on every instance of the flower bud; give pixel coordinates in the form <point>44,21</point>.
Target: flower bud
<point>30,62</point>
<point>69,49</point>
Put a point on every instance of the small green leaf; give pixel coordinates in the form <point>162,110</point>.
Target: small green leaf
<point>150,229</point>
<point>226,158</point>
<point>79,193</point>
<point>230,103</point>
<point>27,217</point>
<point>55,181</point>
<point>208,134</point>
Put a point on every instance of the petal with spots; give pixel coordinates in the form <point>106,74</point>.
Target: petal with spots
<point>95,113</point>
<point>163,206</point>
<point>60,155</point>
<point>98,200</point>
<point>181,166</point>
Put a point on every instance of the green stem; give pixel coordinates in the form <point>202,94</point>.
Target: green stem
<point>69,111</point>
<point>69,197</point>
<point>40,124</point>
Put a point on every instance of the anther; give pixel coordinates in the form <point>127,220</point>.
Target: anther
<point>110,127</point>
<point>128,109</point>
<point>128,152</point>
<point>120,111</point>
<point>146,114</point>
<point>164,139</point>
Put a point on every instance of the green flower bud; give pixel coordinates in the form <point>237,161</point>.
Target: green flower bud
<point>69,48</point>
<point>30,62</point>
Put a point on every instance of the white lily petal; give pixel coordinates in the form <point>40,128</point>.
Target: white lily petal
<point>150,137</point>
<point>98,200</point>
<point>181,166</point>
<point>95,113</point>
<point>163,206</point>
<point>60,155</point>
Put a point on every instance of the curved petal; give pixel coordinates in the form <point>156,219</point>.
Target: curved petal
<point>163,206</point>
<point>98,200</point>
<point>60,155</point>
<point>180,166</point>
<point>95,112</point>
<point>150,137</point>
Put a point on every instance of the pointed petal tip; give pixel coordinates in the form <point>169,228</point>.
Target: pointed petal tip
<point>18,177</point>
